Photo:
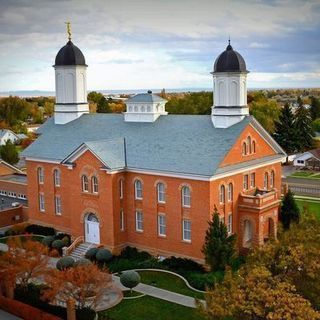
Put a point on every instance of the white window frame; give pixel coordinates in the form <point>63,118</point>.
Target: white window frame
<point>40,172</point>
<point>138,190</point>
<point>229,226</point>
<point>230,192</point>
<point>161,194</point>
<point>84,183</point>
<point>121,220</point>
<point>139,221</point>
<point>121,188</point>
<point>186,197</point>
<point>95,184</point>
<point>41,202</point>
<point>252,180</point>
<point>222,194</point>
<point>186,229</point>
<point>57,204</point>
<point>245,182</point>
<point>162,227</point>
<point>57,177</point>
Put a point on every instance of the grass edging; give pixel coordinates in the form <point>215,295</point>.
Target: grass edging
<point>134,297</point>
<point>170,272</point>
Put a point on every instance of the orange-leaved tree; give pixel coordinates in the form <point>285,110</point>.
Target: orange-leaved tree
<point>85,284</point>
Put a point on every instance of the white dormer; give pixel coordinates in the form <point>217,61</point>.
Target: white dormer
<point>145,107</point>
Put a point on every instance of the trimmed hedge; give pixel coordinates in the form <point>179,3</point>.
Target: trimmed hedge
<point>103,255</point>
<point>37,229</point>
<point>130,279</point>
<point>91,254</point>
<point>47,241</point>
<point>65,263</point>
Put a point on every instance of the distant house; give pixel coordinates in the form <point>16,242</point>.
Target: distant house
<point>309,159</point>
<point>32,128</point>
<point>6,135</point>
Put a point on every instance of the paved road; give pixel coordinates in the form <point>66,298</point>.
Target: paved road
<point>160,293</point>
<point>7,316</point>
<point>311,182</point>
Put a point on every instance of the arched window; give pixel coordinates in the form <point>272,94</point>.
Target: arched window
<point>142,109</point>
<point>186,196</point>
<point>85,183</point>
<point>56,177</point>
<point>138,189</point>
<point>222,194</point>
<point>272,179</point>
<point>265,180</point>
<point>95,186</point>
<point>121,188</point>
<point>40,175</point>
<point>244,149</point>
<point>253,146</point>
<point>249,145</point>
<point>230,192</point>
<point>161,193</point>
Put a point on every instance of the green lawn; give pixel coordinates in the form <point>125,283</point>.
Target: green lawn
<point>313,206</point>
<point>169,282</point>
<point>305,174</point>
<point>150,308</point>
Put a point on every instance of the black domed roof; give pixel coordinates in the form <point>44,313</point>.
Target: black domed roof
<point>70,55</point>
<point>230,61</point>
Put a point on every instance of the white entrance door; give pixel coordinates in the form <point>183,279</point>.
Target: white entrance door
<point>92,232</point>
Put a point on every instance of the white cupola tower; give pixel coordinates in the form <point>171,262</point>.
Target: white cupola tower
<point>229,89</point>
<point>145,107</point>
<point>71,84</point>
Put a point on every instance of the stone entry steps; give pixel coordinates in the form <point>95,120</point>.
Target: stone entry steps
<point>80,250</point>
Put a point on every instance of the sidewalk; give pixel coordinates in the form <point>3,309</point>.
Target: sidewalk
<point>7,316</point>
<point>160,293</point>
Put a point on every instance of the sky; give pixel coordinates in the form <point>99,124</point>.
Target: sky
<point>142,44</point>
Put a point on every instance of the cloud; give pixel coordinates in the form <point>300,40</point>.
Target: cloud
<point>258,45</point>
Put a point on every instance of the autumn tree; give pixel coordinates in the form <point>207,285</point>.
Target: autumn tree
<point>289,211</point>
<point>77,283</point>
<point>23,262</point>
<point>9,153</point>
<point>219,247</point>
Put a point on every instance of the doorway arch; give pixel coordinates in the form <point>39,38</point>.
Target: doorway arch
<point>92,228</point>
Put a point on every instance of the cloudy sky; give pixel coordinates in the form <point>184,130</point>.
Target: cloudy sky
<point>139,44</point>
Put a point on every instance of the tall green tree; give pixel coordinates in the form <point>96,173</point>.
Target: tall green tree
<point>315,108</point>
<point>219,248</point>
<point>9,153</point>
<point>289,211</point>
<point>304,129</point>
<point>285,132</point>
<point>103,105</point>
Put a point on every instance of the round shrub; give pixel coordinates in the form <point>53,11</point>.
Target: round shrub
<point>130,279</point>
<point>82,262</point>
<point>47,241</point>
<point>66,241</point>
<point>91,254</point>
<point>65,263</point>
<point>58,244</point>
<point>103,255</point>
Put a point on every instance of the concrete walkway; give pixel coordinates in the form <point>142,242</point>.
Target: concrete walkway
<point>7,316</point>
<point>160,293</point>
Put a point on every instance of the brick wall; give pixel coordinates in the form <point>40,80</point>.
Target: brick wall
<point>8,216</point>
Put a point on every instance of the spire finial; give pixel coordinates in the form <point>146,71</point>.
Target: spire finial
<point>229,40</point>
<point>68,29</point>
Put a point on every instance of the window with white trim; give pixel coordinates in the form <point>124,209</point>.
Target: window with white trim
<point>57,201</point>
<point>121,188</point>
<point>138,189</point>
<point>121,220</point>
<point>252,180</point>
<point>186,197</point>
<point>95,185</point>
<point>272,179</point>
<point>40,175</point>
<point>139,221</point>
<point>265,180</point>
<point>161,225</point>
<point>186,230</point>
<point>245,182</point>
<point>222,194</point>
<point>56,177</point>
<point>161,192</point>
<point>41,202</point>
<point>244,149</point>
<point>253,146</point>
<point>229,226</point>
<point>230,192</point>
<point>85,183</point>
<point>249,145</point>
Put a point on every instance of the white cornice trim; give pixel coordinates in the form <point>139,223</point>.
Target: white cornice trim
<point>42,160</point>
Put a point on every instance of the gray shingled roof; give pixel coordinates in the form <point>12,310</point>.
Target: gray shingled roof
<point>145,98</point>
<point>175,143</point>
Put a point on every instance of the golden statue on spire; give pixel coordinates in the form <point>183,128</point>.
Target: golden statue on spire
<point>68,29</point>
